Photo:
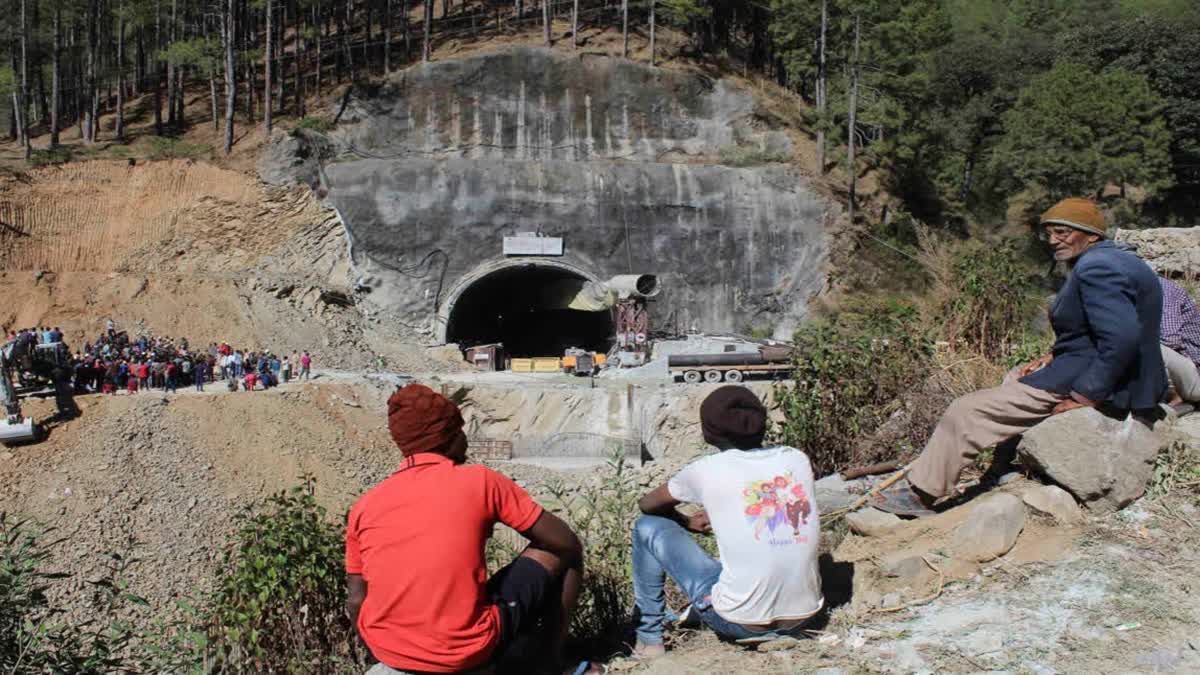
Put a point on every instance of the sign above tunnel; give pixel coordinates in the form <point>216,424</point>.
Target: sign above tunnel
<point>532,244</point>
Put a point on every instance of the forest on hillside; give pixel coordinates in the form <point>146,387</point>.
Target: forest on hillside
<point>958,105</point>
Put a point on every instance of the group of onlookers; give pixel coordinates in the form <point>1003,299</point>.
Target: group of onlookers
<point>116,361</point>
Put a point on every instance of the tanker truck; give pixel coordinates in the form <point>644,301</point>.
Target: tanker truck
<point>767,361</point>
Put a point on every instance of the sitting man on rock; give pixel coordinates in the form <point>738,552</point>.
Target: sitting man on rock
<point>1180,344</point>
<point>1106,354</point>
<point>759,502</point>
<point>418,588</point>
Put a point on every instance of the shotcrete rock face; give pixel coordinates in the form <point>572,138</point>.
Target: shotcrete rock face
<point>615,158</point>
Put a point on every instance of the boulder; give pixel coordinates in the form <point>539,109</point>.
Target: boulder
<point>871,522</point>
<point>1055,502</point>
<point>991,529</point>
<point>294,158</point>
<point>1105,462</point>
<point>1171,251</point>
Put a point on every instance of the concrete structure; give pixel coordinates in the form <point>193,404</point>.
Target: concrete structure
<point>619,160</point>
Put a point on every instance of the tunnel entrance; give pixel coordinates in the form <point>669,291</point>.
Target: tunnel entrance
<point>512,306</point>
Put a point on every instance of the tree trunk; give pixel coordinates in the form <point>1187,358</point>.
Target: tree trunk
<point>546,22</point>
<point>625,29</point>
<point>172,80</point>
<point>56,66</point>
<point>347,33</point>
<point>230,75</point>
<point>387,36</point>
<point>317,26</point>
<point>851,125</point>
<point>299,73</point>
<point>268,111</point>
<point>822,105</point>
<point>120,129</point>
<point>157,68</point>
<point>652,2</point>
<point>25,79</point>
<point>280,66</point>
<point>575,23</point>
<point>428,23</point>
<point>407,32</point>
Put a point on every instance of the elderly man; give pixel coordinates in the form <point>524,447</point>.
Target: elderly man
<point>758,501</point>
<point>1180,343</point>
<point>418,587</point>
<point>1105,354</point>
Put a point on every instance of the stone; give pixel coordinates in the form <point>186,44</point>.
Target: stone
<point>991,528</point>
<point>902,565</point>
<point>1054,501</point>
<point>871,522</point>
<point>890,601</point>
<point>1105,462</point>
<point>779,644</point>
<point>293,157</point>
<point>1171,251</point>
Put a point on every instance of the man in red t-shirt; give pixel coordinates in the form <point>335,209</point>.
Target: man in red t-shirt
<point>418,587</point>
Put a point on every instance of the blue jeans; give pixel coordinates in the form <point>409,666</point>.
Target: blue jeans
<point>660,547</point>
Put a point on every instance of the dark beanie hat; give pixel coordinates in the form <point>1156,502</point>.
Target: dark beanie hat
<point>733,417</point>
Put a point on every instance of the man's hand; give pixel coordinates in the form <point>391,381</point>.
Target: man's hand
<point>1074,403</point>
<point>698,522</point>
<point>1036,365</point>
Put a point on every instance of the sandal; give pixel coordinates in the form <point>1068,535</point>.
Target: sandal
<point>901,501</point>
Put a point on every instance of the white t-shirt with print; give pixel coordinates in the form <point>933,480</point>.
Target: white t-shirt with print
<point>764,515</point>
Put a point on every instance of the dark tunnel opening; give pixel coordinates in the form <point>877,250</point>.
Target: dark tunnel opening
<point>511,306</point>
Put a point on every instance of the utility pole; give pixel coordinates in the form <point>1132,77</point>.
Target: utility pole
<point>853,113</point>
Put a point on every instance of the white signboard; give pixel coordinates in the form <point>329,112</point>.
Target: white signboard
<point>523,244</point>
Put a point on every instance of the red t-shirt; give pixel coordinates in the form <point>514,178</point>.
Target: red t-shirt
<point>417,539</point>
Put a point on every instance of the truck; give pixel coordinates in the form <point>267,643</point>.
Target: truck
<point>770,361</point>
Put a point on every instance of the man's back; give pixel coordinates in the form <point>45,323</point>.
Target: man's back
<point>417,539</point>
<point>1106,322</point>
<point>764,516</point>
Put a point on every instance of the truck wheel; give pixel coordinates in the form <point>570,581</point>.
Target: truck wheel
<point>692,377</point>
<point>712,376</point>
<point>734,376</point>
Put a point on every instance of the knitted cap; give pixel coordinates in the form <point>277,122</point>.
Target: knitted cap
<point>422,420</point>
<point>1081,214</point>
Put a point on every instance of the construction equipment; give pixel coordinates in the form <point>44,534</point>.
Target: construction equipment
<point>27,367</point>
<point>773,360</point>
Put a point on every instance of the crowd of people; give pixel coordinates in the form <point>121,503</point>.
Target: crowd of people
<point>115,361</point>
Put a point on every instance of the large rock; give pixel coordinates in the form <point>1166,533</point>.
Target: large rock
<point>991,529</point>
<point>294,158</point>
<point>1173,251</point>
<point>1105,462</point>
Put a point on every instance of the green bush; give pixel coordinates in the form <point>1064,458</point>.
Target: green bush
<point>751,155</point>
<point>51,156</point>
<point>850,372</point>
<point>312,123</point>
<point>174,148</point>
<point>990,300</point>
<point>34,637</point>
<point>279,603</point>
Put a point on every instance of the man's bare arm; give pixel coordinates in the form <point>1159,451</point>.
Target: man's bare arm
<point>660,502</point>
<point>356,593</point>
<point>551,534</point>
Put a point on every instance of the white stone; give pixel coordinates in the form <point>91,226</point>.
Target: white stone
<point>991,529</point>
<point>871,522</point>
<point>1054,501</point>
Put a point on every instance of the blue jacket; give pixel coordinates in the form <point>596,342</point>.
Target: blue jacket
<point>1106,324</point>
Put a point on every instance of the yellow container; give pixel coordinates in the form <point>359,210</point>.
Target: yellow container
<point>521,365</point>
<point>547,364</point>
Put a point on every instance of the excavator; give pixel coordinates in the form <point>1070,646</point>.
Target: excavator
<point>26,368</point>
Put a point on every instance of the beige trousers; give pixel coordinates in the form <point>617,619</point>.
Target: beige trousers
<point>1182,374</point>
<point>975,421</point>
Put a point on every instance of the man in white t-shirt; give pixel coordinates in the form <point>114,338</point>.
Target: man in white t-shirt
<point>759,503</point>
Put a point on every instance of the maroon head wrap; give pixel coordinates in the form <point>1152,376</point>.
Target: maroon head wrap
<point>422,420</point>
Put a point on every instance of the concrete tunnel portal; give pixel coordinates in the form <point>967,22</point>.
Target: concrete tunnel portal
<point>521,306</point>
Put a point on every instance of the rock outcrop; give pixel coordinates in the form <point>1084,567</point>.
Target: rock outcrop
<point>1171,251</point>
<point>1105,462</point>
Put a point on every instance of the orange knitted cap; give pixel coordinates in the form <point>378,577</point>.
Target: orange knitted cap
<point>1079,213</point>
